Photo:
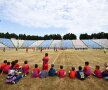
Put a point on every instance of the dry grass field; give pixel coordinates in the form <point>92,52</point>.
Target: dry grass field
<point>67,58</point>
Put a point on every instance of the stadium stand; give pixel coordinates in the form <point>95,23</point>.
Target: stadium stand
<point>20,42</point>
<point>15,42</point>
<point>45,44</point>
<point>2,46</point>
<point>56,44</point>
<point>102,42</point>
<point>66,44</point>
<point>92,44</point>
<point>27,43</point>
<point>37,43</point>
<point>7,42</point>
<point>78,44</point>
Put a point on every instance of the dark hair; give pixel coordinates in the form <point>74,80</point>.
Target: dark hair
<point>8,63</point>
<point>52,65</point>
<point>5,61</point>
<point>25,62</point>
<point>61,66</point>
<point>16,61</point>
<point>36,65</point>
<point>46,54</point>
<point>80,68</point>
<point>12,64</point>
<point>97,66</point>
<point>73,69</point>
<point>86,63</point>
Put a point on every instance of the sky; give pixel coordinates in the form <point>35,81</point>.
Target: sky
<point>40,17</point>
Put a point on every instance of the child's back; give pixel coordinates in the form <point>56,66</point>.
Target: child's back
<point>72,73</point>
<point>4,64</point>
<point>87,70</point>
<point>80,74</point>
<point>35,71</point>
<point>25,68</point>
<point>7,68</point>
<point>97,72</point>
<point>61,72</point>
<point>52,71</point>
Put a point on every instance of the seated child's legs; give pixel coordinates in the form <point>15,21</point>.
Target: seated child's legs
<point>106,78</point>
<point>18,78</point>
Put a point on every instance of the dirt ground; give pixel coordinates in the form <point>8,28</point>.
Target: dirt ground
<point>68,58</point>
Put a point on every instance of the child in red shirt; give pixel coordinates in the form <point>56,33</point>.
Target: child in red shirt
<point>16,65</point>
<point>72,73</point>
<point>87,70</point>
<point>35,71</point>
<point>45,64</point>
<point>61,73</point>
<point>97,72</point>
<point>25,68</point>
<point>7,68</point>
<point>3,65</point>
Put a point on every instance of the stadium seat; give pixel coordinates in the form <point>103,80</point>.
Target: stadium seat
<point>78,44</point>
<point>92,44</point>
<point>102,42</point>
<point>66,44</point>
<point>7,42</point>
<point>56,44</point>
<point>45,44</point>
<point>27,43</point>
<point>37,43</point>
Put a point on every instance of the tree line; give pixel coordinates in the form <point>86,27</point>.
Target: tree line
<point>100,35</point>
<point>68,36</point>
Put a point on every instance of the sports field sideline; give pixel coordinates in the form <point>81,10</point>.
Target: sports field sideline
<point>67,58</point>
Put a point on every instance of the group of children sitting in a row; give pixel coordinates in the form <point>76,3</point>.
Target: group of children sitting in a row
<point>16,72</point>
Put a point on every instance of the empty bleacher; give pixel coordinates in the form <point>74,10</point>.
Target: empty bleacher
<point>27,43</point>
<point>78,44</point>
<point>45,44</point>
<point>56,44</point>
<point>37,43</point>
<point>7,42</point>
<point>15,42</point>
<point>102,42</point>
<point>2,46</point>
<point>92,44</point>
<point>20,42</point>
<point>67,44</point>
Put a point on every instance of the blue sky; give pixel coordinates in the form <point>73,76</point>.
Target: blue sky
<point>40,17</point>
<point>7,26</point>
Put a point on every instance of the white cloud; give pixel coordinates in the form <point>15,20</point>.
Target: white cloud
<point>77,16</point>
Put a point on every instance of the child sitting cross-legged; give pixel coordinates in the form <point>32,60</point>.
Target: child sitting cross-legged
<point>7,68</point>
<point>35,71</point>
<point>97,72</point>
<point>72,73</point>
<point>80,74</point>
<point>52,71</point>
<point>61,73</point>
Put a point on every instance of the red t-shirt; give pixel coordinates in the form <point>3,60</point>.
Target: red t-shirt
<point>25,69</point>
<point>45,63</point>
<point>6,69</point>
<point>35,72</point>
<point>16,66</point>
<point>3,66</point>
<point>61,73</point>
<point>97,72</point>
<point>87,70</point>
<point>72,74</point>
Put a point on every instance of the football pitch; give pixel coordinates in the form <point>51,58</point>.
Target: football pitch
<point>67,58</point>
